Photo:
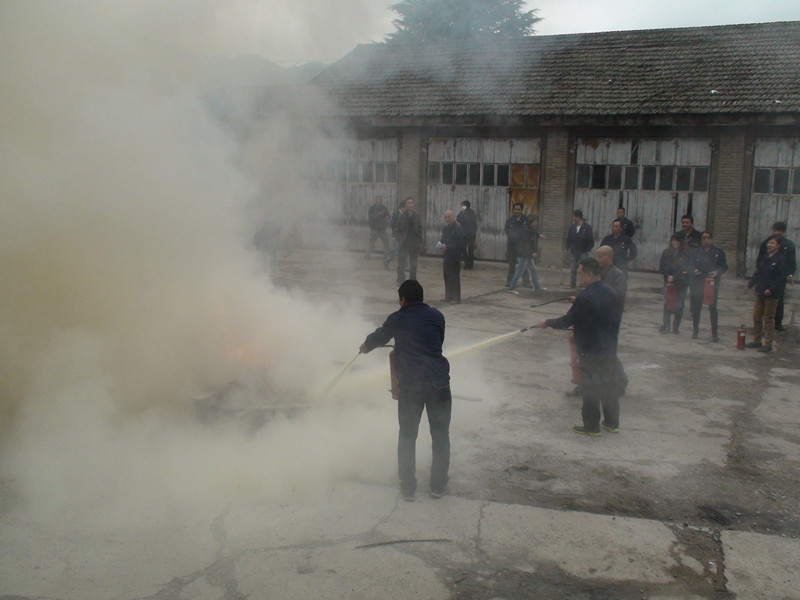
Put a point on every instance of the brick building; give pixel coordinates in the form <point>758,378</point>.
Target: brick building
<point>703,120</point>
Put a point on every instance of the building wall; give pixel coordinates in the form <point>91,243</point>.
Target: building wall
<point>555,208</point>
<point>729,197</point>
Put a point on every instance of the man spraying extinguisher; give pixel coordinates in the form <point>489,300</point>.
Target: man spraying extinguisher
<point>423,375</point>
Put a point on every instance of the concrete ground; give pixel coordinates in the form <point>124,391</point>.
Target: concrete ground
<point>695,498</point>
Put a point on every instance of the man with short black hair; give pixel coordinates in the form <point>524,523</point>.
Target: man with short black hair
<point>623,246</point>
<point>468,220</point>
<point>408,230</point>
<point>705,263</point>
<point>516,228</point>
<point>788,251</point>
<point>378,217</point>
<point>687,234</point>
<point>628,227</point>
<point>579,242</point>
<point>595,318</point>
<point>423,375</point>
<point>452,246</point>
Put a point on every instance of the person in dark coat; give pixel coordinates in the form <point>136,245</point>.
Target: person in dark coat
<point>408,229</point>
<point>516,229</point>
<point>595,318</point>
<point>579,242</point>
<point>705,263</point>
<point>526,250</point>
<point>674,266</point>
<point>770,275</point>
<point>788,251</point>
<point>423,375</point>
<point>468,219</point>
<point>623,246</point>
<point>687,234</point>
<point>378,216</point>
<point>628,227</point>
<point>452,246</point>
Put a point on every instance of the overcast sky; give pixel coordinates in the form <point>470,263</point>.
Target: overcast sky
<point>289,32</point>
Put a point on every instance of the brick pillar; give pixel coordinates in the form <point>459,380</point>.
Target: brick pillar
<point>411,162</point>
<point>555,206</point>
<point>729,199</point>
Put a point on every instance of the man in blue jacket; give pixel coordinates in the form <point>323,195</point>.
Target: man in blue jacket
<point>424,384</point>
<point>580,240</point>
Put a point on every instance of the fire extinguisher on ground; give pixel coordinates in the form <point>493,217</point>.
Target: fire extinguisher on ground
<point>741,334</point>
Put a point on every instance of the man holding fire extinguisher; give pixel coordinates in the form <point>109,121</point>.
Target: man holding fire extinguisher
<point>595,317</point>
<point>423,375</point>
<point>706,266</point>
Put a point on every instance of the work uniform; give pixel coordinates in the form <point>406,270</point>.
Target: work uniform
<point>424,384</point>
<point>453,239</point>
<point>624,250</point>
<point>703,261</point>
<point>770,275</point>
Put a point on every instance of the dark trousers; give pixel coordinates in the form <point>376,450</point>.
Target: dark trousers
<point>680,300</point>
<point>451,269</point>
<point>696,294</point>
<point>603,381</point>
<point>512,257</point>
<point>437,402</point>
<point>469,253</point>
<point>410,253</point>
<point>779,307</point>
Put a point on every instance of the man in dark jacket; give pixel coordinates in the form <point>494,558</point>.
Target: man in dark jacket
<point>468,220</point>
<point>452,246</point>
<point>424,384</point>
<point>580,240</point>
<point>623,246</point>
<point>706,263</point>
<point>687,234</point>
<point>595,317</point>
<point>516,228</point>
<point>770,275</point>
<point>788,251</point>
<point>628,227</point>
<point>378,216</point>
<point>408,230</point>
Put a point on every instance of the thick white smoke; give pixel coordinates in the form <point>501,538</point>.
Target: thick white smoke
<point>129,282</point>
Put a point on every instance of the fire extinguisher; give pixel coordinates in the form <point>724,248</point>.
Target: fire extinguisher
<point>671,297</point>
<point>741,334</point>
<point>393,375</point>
<point>573,360</point>
<point>708,291</point>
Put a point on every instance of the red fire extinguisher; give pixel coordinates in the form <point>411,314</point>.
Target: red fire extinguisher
<point>393,375</point>
<point>708,291</point>
<point>741,334</point>
<point>671,297</point>
<point>573,360</point>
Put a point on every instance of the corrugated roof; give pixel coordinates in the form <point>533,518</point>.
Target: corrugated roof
<point>700,70</point>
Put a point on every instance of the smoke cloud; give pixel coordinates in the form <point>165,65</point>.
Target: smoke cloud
<point>130,284</point>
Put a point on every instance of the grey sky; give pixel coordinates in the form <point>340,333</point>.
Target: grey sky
<point>289,32</point>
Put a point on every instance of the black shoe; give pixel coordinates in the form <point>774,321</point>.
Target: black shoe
<point>715,338</point>
<point>664,329</point>
<point>573,393</point>
<point>407,496</point>
<point>765,349</point>
<point>675,330</point>
<point>753,345</point>
<point>779,328</point>
<point>584,431</point>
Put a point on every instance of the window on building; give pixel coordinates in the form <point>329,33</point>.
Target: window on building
<point>461,173</point>
<point>796,182</point>
<point>761,181</point>
<point>649,178</point>
<point>614,178</point>
<point>391,172</point>
<point>583,176</point>
<point>474,177</point>
<point>380,172</point>
<point>488,174</point>
<point>447,173</point>
<point>598,177</point>
<point>683,179</point>
<point>367,173</point>
<point>635,154</point>
<point>631,178</point>
<point>780,181</point>
<point>353,173</point>
<point>700,179</point>
<point>434,169</point>
<point>502,175</point>
<point>665,178</point>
